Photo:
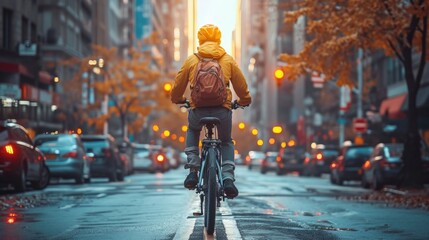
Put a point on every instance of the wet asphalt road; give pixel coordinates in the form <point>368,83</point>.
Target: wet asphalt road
<point>155,206</point>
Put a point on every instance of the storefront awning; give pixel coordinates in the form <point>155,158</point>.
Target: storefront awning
<point>391,107</point>
<point>422,100</point>
<point>45,77</point>
<point>15,68</point>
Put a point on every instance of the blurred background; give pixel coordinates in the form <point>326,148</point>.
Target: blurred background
<point>98,67</point>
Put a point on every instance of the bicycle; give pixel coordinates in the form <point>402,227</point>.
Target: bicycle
<point>210,181</point>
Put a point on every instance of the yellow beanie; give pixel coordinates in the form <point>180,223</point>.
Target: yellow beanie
<point>209,32</point>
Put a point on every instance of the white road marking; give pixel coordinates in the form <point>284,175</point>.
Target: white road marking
<point>230,225</point>
<point>67,206</point>
<point>231,228</point>
<point>187,227</point>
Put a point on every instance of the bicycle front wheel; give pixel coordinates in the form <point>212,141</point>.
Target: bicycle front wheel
<point>211,196</point>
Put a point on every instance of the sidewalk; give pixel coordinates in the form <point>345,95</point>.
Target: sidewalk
<point>395,198</point>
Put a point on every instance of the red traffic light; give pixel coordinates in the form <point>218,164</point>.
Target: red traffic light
<point>279,75</point>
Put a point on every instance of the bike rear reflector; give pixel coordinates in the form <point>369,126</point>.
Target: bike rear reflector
<point>9,149</point>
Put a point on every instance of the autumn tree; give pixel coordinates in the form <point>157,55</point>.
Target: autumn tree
<point>129,83</point>
<point>337,28</point>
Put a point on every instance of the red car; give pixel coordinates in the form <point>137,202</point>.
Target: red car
<point>20,160</point>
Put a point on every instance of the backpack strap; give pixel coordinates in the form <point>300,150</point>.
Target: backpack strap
<point>208,59</point>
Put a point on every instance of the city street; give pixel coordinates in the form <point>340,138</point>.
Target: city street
<point>156,206</point>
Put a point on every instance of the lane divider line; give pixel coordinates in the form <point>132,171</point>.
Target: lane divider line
<point>187,227</point>
<point>229,223</point>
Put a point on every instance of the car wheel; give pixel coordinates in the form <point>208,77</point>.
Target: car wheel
<point>113,177</point>
<point>332,178</point>
<point>120,176</point>
<point>376,182</point>
<point>340,181</point>
<point>21,183</point>
<point>364,183</point>
<point>44,179</point>
<point>79,179</point>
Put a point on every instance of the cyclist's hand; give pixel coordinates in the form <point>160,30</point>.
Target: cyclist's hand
<point>235,105</point>
<point>185,104</point>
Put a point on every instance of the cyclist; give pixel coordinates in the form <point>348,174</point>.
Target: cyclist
<point>209,37</point>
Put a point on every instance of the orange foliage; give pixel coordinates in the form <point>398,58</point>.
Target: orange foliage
<point>337,28</point>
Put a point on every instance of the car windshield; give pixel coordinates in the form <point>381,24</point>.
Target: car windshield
<point>294,151</point>
<point>358,152</point>
<point>256,154</point>
<point>95,146</point>
<point>393,151</point>
<point>330,152</point>
<point>141,151</point>
<point>3,135</point>
<point>55,140</point>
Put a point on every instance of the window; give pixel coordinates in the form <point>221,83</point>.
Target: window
<point>7,28</point>
<point>24,29</point>
<point>33,32</point>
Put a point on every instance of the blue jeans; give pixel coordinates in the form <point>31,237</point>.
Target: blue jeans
<point>224,134</point>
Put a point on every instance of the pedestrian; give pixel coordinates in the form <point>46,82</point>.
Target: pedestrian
<point>209,37</point>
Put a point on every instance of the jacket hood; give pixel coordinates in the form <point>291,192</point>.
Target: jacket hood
<point>211,50</point>
<point>209,32</point>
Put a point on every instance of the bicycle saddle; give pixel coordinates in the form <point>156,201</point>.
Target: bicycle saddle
<point>210,120</point>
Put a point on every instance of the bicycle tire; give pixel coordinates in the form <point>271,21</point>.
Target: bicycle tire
<point>211,197</point>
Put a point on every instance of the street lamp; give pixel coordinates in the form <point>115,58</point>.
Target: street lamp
<point>277,129</point>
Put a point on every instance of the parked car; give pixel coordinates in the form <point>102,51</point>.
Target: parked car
<point>254,159</point>
<point>150,158</point>
<point>383,166</point>
<point>291,159</point>
<point>65,156</point>
<point>173,157</point>
<point>347,166</point>
<point>105,157</point>
<point>20,160</point>
<point>385,163</point>
<point>319,160</point>
<point>269,162</point>
<point>125,152</point>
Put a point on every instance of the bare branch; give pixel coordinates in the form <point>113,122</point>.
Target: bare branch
<point>423,56</point>
<point>398,54</point>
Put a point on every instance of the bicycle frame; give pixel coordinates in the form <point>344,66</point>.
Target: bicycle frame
<point>210,142</point>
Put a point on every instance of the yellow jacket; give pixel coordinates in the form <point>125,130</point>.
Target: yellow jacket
<point>186,75</point>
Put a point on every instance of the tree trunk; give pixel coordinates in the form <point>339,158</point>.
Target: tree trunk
<point>123,119</point>
<point>411,175</point>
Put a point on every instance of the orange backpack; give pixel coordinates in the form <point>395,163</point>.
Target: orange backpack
<point>209,89</point>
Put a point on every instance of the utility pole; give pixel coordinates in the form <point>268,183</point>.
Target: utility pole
<point>360,83</point>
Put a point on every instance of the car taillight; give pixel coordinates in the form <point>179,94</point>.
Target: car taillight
<point>367,165</point>
<point>9,149</point>
<point>319,157</point>
<point>306,160</point>
<point>160,158</point>
<point>333,165</point>
<point>72,154</point>
<point>278,159</point>
<point>383,163</point>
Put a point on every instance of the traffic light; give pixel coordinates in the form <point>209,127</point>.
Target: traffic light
<point>279,75</point>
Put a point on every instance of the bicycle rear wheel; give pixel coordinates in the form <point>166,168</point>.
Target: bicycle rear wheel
<point>211,194</point>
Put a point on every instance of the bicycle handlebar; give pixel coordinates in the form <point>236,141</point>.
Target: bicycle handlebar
<point>234,105</point>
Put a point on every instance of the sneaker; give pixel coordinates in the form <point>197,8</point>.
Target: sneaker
<point>191,180</point>
<point>229,188</point>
